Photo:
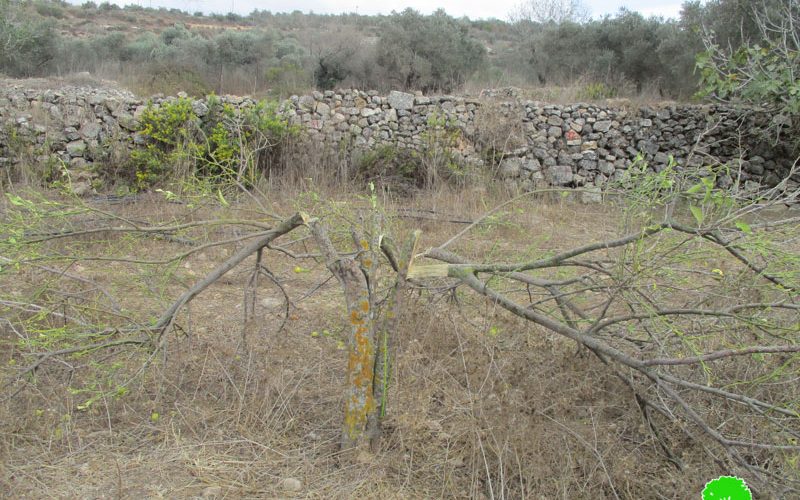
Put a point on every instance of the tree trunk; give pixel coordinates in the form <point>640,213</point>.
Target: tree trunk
<point>359,400</point>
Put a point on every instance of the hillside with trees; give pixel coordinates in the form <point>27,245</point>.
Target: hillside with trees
<point>541,44</point>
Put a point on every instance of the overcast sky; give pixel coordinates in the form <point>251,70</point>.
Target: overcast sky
<point>474,9</point>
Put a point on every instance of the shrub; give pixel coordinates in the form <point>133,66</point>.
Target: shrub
<point>405,168</point>
<point>232,143</point>
<point>438,156</point>
<point>27,47</point>
<point>428,52</point>
<point>388,165</point>
<point>761,73</point>
<point>169,133</point>
<point>49,9</point>
<point>245,142</point>
<point>598,90</point>
<point>286,78</point>
<point>106,6</point>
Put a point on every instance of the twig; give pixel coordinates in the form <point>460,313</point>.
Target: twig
<point>727,353</point>
<point>282,228</point>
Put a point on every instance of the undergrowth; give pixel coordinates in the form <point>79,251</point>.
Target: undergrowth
<point>482,403</point>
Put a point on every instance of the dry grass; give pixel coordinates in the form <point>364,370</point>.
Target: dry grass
<point>484,405</point>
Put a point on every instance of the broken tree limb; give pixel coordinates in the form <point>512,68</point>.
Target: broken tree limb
<point>282,228</point>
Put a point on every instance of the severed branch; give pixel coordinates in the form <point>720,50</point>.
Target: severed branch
<point>669,376</point>
<point>136,228</point>
<point>280,229</point>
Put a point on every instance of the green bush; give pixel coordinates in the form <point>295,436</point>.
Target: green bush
<point>430,53</point>
<point>230,142</point>
<point>287,78</point>
<point>27,47</point>
<point>48,9</point>
<point>169,131</point>
<point>760,73</point>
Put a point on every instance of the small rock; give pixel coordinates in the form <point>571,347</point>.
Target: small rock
<point>510,168</point>
<point>555,121</point>
<point>323,109</point>
<point>199,108</point>
<point>81,188</point>
<point>76,148</point>
<point>78,163</point>
<point>307,102</point>
<point>771,179</point>
<point>128,122</point>
<point>212,492</point>
<point>90,130</point>
<point>532,165</point>
<point>662,158</point>
<point>602,126</point>
<point>292,484</point>
<point>269,302</point>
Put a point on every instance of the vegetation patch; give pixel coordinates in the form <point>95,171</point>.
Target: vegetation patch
<point>231,143</point>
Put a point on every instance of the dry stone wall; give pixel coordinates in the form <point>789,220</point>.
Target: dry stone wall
<point>563,145</point>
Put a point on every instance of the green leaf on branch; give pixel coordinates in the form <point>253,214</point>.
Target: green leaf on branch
<point>697,212</point>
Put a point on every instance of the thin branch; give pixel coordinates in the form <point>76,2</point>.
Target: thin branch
<point>282,228</point>
<point>727,353</point>
<point>91,347</point>
<point>136,228</point>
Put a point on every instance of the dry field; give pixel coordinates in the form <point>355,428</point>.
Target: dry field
<point>482,404</point>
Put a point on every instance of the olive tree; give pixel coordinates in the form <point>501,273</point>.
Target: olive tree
<point>546,11</point>
<point>27,47</point>
<point>433,52</point>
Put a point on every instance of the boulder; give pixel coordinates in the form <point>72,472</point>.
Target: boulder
<point>401,100</point>
<point>307,103</point>
<point>560,175</point>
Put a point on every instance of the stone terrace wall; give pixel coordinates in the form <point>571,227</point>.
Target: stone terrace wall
<point>563,145</point>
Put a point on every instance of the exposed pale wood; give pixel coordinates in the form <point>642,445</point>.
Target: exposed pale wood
<point>429,271</point>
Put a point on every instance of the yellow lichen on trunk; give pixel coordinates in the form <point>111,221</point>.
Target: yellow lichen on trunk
<point>359,403</point>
